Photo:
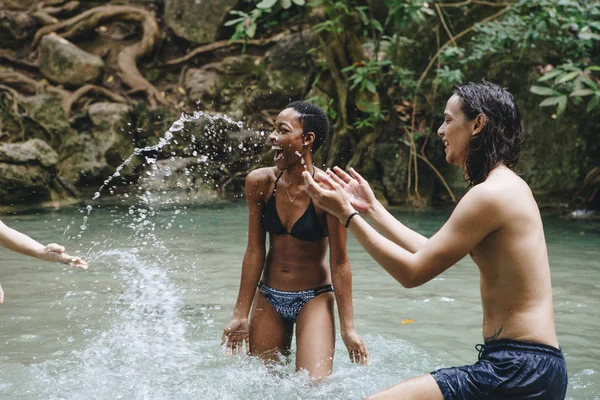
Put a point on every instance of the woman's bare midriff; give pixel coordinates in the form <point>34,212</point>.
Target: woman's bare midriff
<point>293,264</point>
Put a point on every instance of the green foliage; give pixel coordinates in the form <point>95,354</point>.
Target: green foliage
<point>569,82</point>
<point>570,26</point>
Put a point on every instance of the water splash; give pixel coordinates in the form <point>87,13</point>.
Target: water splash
<point>176,126</point>
<point>302,160</point>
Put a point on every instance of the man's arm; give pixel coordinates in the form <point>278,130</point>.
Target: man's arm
<point>474,218</point>
<point>395,230</point>
<point>362,199</point>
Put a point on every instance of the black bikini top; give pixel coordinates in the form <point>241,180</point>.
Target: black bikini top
<point>307,228</point>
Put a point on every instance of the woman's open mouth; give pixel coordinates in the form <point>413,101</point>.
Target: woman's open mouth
<point>278,152</point>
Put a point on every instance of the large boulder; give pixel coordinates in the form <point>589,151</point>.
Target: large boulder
<point>198,21</point>
<point>225,86</point>
<point>46,120</point>
<point>287,74</point>
<point>95,154</point>
<point>26,172</point>
<point>63,62</point>
<point>202,84</point>
<point>34,151</point>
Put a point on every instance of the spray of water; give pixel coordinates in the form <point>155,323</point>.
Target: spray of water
<point>178,125</point>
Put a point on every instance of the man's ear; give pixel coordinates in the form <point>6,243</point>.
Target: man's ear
<point>308,138</point>
<point>478,124</point>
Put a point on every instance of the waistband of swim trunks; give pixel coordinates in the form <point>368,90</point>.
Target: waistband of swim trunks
<point>510,344</point>
<point>263,286</point>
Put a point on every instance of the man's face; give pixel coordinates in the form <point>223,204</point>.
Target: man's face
<point>455,132</point>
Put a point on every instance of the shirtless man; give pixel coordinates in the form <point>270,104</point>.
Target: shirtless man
<point>498,223</point>
<point>21,243</point>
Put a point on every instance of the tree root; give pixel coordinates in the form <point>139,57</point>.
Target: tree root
<point>31,85</point>
<point>68,102</point>
<point>128,57</point>
<point>222,44</point>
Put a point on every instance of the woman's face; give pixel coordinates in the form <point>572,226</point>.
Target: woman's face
<point>287,139</point>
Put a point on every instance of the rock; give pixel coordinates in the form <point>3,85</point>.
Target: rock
<point>198,21</point>
<point>177,181</point>
<point>223,86</point>
<point>15,26</point>
<point>201,84</point>
<point>287,74</point>
<point>26,183</point>
<point>34,152</point>
<point>94,155</point>
<point>63,62</point>
<point>47,120</point>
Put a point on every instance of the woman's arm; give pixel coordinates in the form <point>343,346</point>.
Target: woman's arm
<point>341,276</point>
<point>237,330</point>
<point>254,257</point>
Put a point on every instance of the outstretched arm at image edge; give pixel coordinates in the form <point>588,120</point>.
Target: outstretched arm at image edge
<point>21,243</point>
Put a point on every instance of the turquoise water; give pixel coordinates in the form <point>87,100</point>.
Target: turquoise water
<point>145,321</point>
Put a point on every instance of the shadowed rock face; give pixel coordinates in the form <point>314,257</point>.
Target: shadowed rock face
<point>63,62</point>
<point>197,21</point>
<point>26,171</point>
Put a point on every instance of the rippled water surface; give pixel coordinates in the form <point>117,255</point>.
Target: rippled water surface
<point>145,321</point>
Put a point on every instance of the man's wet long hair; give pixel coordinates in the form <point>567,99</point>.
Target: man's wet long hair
<point>500,140</point>
<point>314,120</point>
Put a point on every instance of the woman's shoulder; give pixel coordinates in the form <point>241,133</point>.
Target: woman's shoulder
<point>259,181</point>
<point>266,175</point>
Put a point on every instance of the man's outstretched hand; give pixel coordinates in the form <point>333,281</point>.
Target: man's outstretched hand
<point>359,192</point>
<point>329,195</point>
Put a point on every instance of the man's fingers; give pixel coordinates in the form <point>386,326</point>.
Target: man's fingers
<point>247,341</point>
<point>357,176</point>
<point>313,187</point>
<point>342,174</point>
<point>336,178</point>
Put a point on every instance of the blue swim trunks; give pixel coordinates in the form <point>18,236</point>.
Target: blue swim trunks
<point>507,369</point>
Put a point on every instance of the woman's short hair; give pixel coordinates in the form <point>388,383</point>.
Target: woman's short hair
<point>501,138</point>
<point>314,120</point>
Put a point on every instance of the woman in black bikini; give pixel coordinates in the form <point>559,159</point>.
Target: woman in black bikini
<point>297,287</point>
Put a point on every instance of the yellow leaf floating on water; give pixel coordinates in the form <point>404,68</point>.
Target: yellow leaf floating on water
<point>407,321</point>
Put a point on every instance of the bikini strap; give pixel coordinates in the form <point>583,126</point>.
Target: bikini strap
<point>277,180</point>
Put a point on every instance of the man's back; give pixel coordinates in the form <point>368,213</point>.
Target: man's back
<point>515,275</point>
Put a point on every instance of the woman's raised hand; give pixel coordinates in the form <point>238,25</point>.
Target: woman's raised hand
<point>359,192</point>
